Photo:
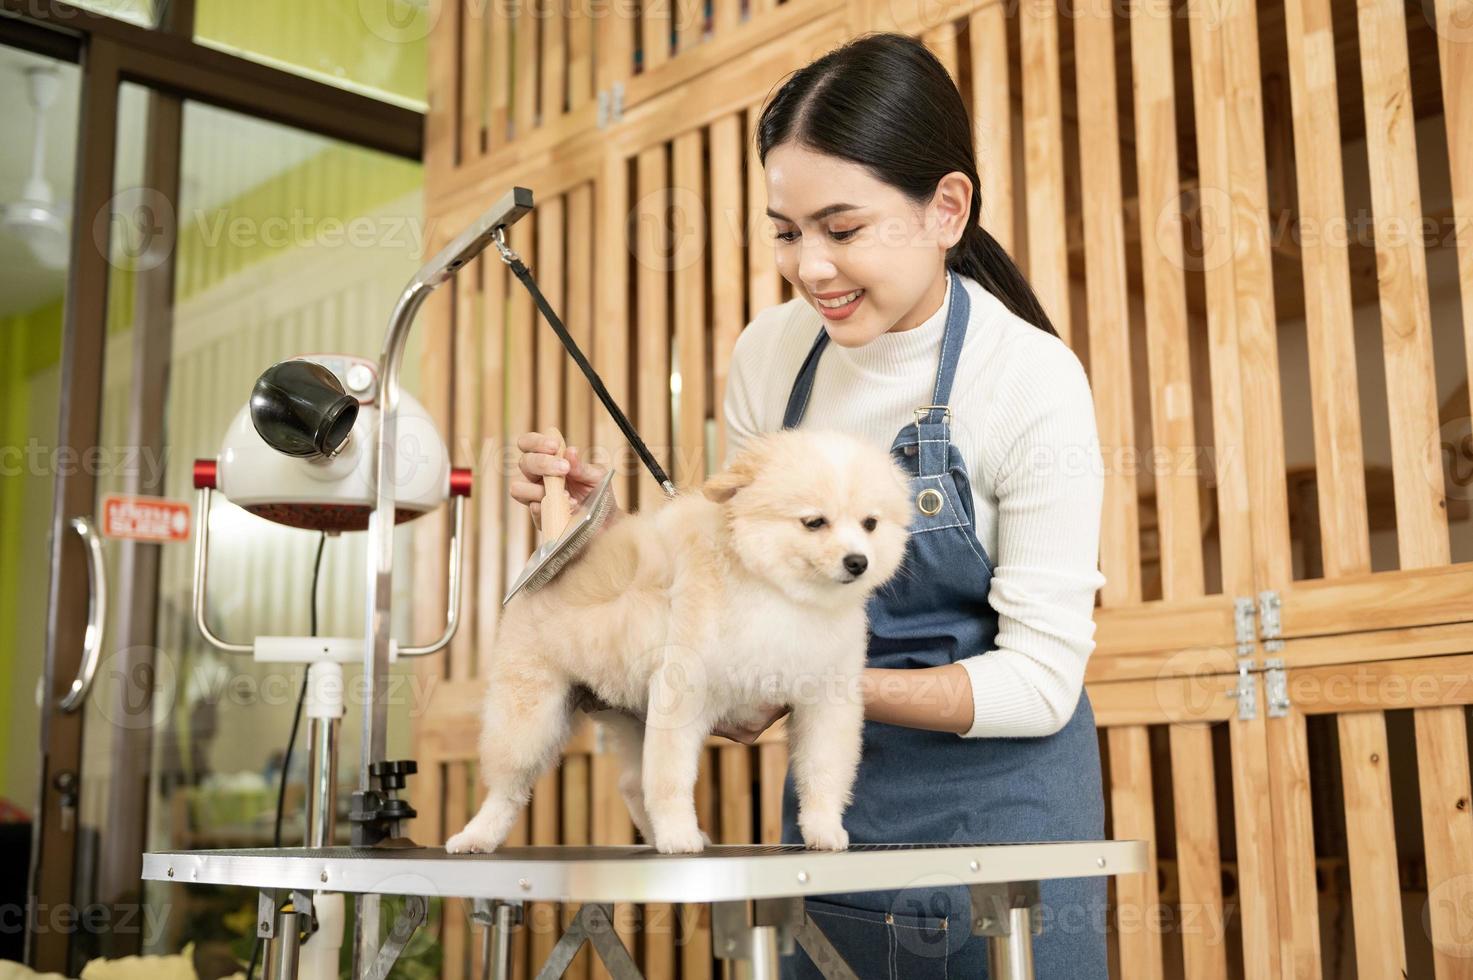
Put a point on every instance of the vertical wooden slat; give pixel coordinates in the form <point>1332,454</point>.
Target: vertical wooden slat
<point>688,253</point>
<point>611,334</point>
<point>1375,889</point>
<point>1455,57</point>
<point>655,40</point>
<point>653,353</point>
<point>524,85</point>
<point>690,23</point>
<point>1344,532</point>
<point>773,766</point>
<point>442,152</point>
<point>554,60</point>
<point>580,32</point>
<point>1447,828</point>
<point>764,282</point>
<point>1198,854</point>
<point>1163,281</point>
<point>431,543</point>
<point>1401,273</point>
<point>729,222</point>
<point>466,436</point>
<point>473,78</point>
<point>551,357</point>
<point>578,316</point>
<point>1215,155</point>
<point>520,943</point>
<point>456,934</point>
<point>520,396</point>
<point>736,794</point>
<point>495,465</point>
<point>498,66</point>
<point>941,40</point>
<point>992,120</point>
<point>696,955</point>
<point>546,803</point>
<point>576,822</point>
<point>1134,819</point>
<point>1107,306</point>
<point>1043,147</point>
<point>726,16</point>
<point>1421,509</point>
<point>659,939</point>
<point>614,49</point>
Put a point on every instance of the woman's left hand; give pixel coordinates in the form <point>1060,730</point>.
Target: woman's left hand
<point>748,730</point>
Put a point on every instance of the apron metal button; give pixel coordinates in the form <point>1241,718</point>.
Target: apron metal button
<point>929,501</point>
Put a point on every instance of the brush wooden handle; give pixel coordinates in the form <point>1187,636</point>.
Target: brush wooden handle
<point>557,506</point>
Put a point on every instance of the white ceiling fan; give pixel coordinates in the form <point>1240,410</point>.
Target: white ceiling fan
<point>37,219</point>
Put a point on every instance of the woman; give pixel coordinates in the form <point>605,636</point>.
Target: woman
<point>912,328</point>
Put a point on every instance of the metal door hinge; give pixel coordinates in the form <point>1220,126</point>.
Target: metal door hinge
<point>1243,625</point>
<point>1276,687</point>
<point>1269,627</point>
<point>611,105</point>
<point>1246,691</point>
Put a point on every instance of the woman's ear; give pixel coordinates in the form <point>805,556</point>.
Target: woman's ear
<point>722,486</point>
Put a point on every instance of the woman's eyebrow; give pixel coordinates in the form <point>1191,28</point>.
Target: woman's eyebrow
<point>818,215</point>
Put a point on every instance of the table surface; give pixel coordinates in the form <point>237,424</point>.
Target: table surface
<point>642,874</point>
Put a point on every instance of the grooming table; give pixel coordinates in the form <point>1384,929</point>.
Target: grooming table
<point>1003,879</point>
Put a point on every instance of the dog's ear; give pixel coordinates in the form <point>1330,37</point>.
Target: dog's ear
<point>722,486</point>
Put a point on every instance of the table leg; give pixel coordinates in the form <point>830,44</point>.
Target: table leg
<point>1004,914</point>
<point>498,919</point>
<point>284,949</point>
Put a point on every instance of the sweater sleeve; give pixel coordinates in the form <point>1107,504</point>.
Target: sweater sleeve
<point>1043,446</point>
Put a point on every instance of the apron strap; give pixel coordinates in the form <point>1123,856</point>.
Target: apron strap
<point>803,386</point>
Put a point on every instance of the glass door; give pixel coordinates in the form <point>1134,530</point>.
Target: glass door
<point>39,117</point>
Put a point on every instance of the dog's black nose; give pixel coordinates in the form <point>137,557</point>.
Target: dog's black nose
<point>855,564</point>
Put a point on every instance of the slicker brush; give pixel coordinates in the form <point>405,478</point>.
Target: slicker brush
<point>565,531</point>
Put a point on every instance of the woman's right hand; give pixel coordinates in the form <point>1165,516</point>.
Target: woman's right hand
<point>539,459</point>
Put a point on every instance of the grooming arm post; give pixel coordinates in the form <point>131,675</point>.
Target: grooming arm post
<point>514,205</point>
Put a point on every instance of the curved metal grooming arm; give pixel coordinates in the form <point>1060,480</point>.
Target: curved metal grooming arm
<point>203,500</point>
<point>513,206</point>
<point>96,616</point>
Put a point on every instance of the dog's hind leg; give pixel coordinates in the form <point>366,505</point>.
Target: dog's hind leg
<point>528,706</point>
<point>626,736</point>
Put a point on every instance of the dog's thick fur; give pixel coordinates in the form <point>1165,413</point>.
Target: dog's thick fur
<point>697,614</point>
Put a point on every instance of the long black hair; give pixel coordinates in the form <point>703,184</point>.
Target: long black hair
<point>885,102</point>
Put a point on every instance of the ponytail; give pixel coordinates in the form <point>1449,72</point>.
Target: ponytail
<point>979,256</point>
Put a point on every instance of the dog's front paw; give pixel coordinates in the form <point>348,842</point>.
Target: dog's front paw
<point>471,840</point>
<point>680,838</point>
<point>824,833</point>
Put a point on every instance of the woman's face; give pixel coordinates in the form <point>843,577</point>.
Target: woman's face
<point>840,231</point>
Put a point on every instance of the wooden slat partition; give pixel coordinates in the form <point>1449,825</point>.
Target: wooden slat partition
<point>992,120</point>
<point>650,240</point>
<point>1043,147</point>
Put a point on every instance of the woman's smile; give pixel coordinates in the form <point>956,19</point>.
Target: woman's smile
<point>847,304</point>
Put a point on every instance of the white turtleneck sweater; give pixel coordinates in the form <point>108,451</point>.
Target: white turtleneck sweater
<point>1023,418</point>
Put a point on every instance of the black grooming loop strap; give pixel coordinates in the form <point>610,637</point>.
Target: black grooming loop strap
<point>525,275</point>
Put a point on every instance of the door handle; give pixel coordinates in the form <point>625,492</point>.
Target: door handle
<point>96,615</point>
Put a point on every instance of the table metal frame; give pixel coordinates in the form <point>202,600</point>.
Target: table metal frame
<point>756,893</point>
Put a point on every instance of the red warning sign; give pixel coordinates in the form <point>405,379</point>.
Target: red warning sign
<point>145,518</point>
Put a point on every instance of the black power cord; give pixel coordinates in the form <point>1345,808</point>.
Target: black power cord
<point>286,761</point>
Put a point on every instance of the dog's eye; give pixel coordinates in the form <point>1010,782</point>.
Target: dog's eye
<point>814,523</point>
<point>869,523</point>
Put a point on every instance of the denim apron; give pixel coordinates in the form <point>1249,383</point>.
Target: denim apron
<point>918,786</point>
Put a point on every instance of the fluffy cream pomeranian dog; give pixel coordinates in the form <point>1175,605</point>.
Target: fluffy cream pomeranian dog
<point>749,593</point>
